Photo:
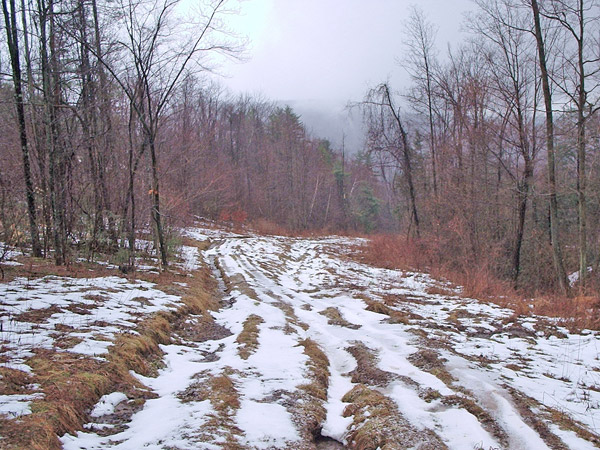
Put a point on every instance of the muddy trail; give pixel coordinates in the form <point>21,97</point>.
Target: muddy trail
<point>312,350</point>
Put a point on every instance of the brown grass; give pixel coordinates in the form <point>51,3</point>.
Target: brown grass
<point>14,381</point>
<point>477,280</point>
<point>38,268</point>
<point>248,338</point>
<point>377,423</point>
<point>430,361</point>
<point>308,411</point>
<point>222,393</point>
<point>73,383</point>
<point>396,316</point>
<point>526,406</point>
<point>335,318</point>
<point>484,418</point>
<point>318,368</point>
<point>366,371</point>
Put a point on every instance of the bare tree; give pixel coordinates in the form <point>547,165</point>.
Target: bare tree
<point>543,63</point>
<point>577,80</point>
<point>387,133</point>
<point>12,39</point>
<point>511,56</point>
<point>422,62</point>
<point>154,67</point>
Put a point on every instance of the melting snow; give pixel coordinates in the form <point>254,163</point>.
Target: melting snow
<point>487,353</point>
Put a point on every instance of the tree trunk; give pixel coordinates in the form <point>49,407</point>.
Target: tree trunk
<point>406,160</point>
<point>10,20</point>
<point>559,267</point>
<point>581,154</point>
<point>156,216</point>
<point>523,195</point>
<point>105,118</point>
<point>89,129</point>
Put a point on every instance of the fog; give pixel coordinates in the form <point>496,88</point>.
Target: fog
<point>318,55</point>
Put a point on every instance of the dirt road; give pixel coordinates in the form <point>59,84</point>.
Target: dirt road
<point>311,349</point>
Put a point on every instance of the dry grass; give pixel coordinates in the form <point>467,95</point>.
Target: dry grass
<point>38,268</point>
<point>438,290</point>
<point>366,371</point>
<point>335,318</point>
<point>37,315</point>
<point>477,280</point>
<point>526,406</point>
<point>221,391</point>
<point>309,413</point>
<point>396,316</point>
<point>318,369</point>
<point>430,361</point>
<point>14,382</point>
<point>377,423</point>
<point>485,419</point>
<point>248,338</point>
<point>73,383</point>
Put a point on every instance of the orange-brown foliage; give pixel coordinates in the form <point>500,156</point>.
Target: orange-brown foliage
<point>477,280</point>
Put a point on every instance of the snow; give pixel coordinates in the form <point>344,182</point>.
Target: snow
<point>16,405</point>
<point>265,425</point>
<point>190,256</point>
<point>40,313</point>
<point>106,404</point>
<point>90,307</point>
<point>574,277</point>
<point>487,351</point>
<point>162,420</point>
<point>304,273</point>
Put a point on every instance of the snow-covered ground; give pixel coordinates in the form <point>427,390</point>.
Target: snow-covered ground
<point>451,371</point>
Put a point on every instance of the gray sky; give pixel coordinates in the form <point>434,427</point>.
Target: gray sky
<point>317,55</point>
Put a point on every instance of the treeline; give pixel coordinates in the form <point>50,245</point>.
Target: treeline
<point>496,142</point>
<point>488,161</point>
<point>110,130</point>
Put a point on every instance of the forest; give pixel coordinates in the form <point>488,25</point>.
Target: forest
<point>485,166</point>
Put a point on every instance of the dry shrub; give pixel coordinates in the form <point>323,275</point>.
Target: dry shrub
<point>581,312</point>
<point>264,226</point>
<point>477,281</point>
<point>433,255</point>
<point>395,252</point>
<point>479,278</point>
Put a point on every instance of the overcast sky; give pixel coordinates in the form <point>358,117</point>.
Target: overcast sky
<point>317,55</point>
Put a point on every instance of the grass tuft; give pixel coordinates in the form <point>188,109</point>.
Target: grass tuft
<point>248,338</point>
<point>377,424</point>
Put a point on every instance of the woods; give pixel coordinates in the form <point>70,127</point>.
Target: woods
<point>112,130</point>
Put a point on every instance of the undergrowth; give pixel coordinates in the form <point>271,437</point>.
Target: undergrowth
<point>479,280</point>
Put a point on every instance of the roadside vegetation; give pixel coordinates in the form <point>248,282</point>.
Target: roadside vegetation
<point>65,385</point>
<point>480,281</point>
